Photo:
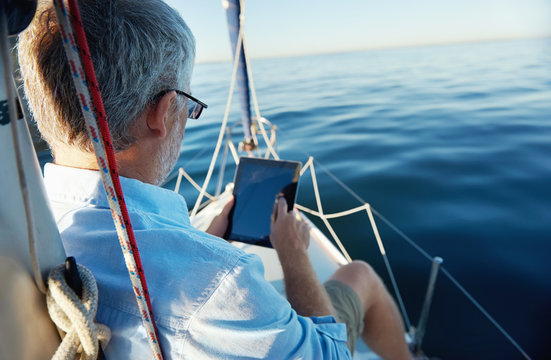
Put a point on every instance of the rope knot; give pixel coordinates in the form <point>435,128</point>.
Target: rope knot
<point>75,316</point>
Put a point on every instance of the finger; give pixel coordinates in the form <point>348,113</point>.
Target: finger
<point>281,205</point>
<point>227,208</point>
<point>274,213</point>
<point>305,228</point>
<point>276,208</point>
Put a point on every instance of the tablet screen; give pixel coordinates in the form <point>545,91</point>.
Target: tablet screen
<point>257,183</point>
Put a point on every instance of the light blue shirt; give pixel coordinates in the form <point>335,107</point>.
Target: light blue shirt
<point>210,299</point>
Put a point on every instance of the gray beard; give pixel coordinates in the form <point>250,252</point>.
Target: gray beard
<point>168,155</point>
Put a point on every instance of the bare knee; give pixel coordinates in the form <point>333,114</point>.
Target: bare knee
<point>361,277</point>
<point>357,270</point>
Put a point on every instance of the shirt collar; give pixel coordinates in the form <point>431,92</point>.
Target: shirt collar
<point>68,184</point>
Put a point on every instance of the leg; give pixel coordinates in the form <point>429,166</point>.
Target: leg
<point>383,326</point>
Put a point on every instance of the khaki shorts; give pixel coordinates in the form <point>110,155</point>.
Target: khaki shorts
<point>349,309</point>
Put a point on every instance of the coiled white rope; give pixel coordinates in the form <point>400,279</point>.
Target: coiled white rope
<point>75,316</point>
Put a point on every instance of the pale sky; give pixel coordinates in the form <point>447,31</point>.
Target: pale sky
<point>299,27</point>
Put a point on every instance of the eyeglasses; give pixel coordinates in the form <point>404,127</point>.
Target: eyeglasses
<point>194,106</point>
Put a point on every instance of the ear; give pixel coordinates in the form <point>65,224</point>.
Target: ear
<point>157,116</point>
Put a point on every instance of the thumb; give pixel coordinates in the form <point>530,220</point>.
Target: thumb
<point>281,205</point>
<point>305,228</point>
<point>227,208</point>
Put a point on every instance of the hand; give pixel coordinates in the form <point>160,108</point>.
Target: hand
<point>220,222</point>
<point>290,238</point>
<point>287,233</point>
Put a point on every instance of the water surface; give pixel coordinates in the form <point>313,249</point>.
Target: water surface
<point>451,143</point>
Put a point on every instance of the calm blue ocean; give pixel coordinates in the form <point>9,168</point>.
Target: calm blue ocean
<point>451,144</point>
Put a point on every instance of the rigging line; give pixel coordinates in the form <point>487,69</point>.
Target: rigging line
<point>222,128</point>
<point>316,190</point>
<point>485,313</point>
<point>339,181</point>
<point>367,208</point>
<point>306,165</point>
<point>273,137</point>
<point>336,238</point>
<point>334,215</point>
<point>177,174</point>
<point>182,172</point>
<point>263,120</point>
<point>267,153</point>
<point>270,140</point>
<point>378,214</point>
<point>231,145</point>
<point>307,210</point>
<point>234,153</point>
<point>384,219</point>
<point>402,234</point>
<point>388,268</point>
<point>178,181</point>
<point>347,212</point>
<point>242,13</point>
<point>320,209</point>
<point>363,202</point>
<point>221,171</point>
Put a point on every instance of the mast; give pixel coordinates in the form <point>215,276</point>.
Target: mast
<point>234,17</point>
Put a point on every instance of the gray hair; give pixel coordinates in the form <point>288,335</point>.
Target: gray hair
<point>138,48</point>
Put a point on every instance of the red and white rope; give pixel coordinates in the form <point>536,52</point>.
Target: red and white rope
<point>98,130</point>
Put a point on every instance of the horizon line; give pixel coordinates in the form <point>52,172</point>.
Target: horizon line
<point>389,47</point>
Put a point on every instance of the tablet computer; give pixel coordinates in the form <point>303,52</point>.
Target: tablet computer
<point>257,183</point>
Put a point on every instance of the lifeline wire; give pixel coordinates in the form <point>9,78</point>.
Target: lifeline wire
<point>96,125</point>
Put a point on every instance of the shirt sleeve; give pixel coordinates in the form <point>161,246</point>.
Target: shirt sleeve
<point>246,318</point>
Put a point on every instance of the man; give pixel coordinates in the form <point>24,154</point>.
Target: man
<point>210,299</point>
